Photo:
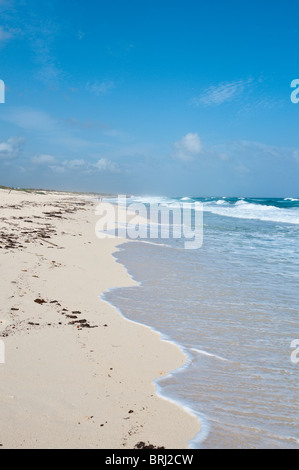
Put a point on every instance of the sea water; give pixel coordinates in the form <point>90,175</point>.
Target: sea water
<point>233,307</point>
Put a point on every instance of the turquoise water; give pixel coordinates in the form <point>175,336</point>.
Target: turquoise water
<point>233,306</point>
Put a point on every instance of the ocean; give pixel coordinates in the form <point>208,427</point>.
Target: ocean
<point>232,305</point>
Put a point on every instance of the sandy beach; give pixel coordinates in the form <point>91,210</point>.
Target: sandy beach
<point>76,374</point>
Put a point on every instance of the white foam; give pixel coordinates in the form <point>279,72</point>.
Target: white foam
<point>241,209</point>
<point>152,199</point>
<point>205,353</point>
<point>244,210</point>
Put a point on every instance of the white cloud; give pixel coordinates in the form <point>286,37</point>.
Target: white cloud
<point>106,165</point>
<point>43,159</point>
<point>11,148</point>
<point>188,147</point>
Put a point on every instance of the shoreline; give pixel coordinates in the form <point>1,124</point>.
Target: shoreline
<point>64,388</point>
<point>204,428</point>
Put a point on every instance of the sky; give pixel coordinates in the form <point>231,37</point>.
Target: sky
<point>164,97</point>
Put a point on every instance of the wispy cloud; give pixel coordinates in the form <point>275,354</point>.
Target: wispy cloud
<point>251,95</point>
<point>264,101</point>
<point>216,95</point>
<point>31,119</point>
<point>100,88</point>
<point>74,137</point>
<point>270,152</point>
<point>42,38</point>
<point>75,165</point>
<point>247,157</point>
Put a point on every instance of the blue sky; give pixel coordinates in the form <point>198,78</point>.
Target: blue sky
<point>150,97</point>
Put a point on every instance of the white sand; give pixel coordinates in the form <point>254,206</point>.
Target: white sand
<point>63,386</point>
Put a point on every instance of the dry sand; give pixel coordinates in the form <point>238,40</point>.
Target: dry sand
<point>66,384</point>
